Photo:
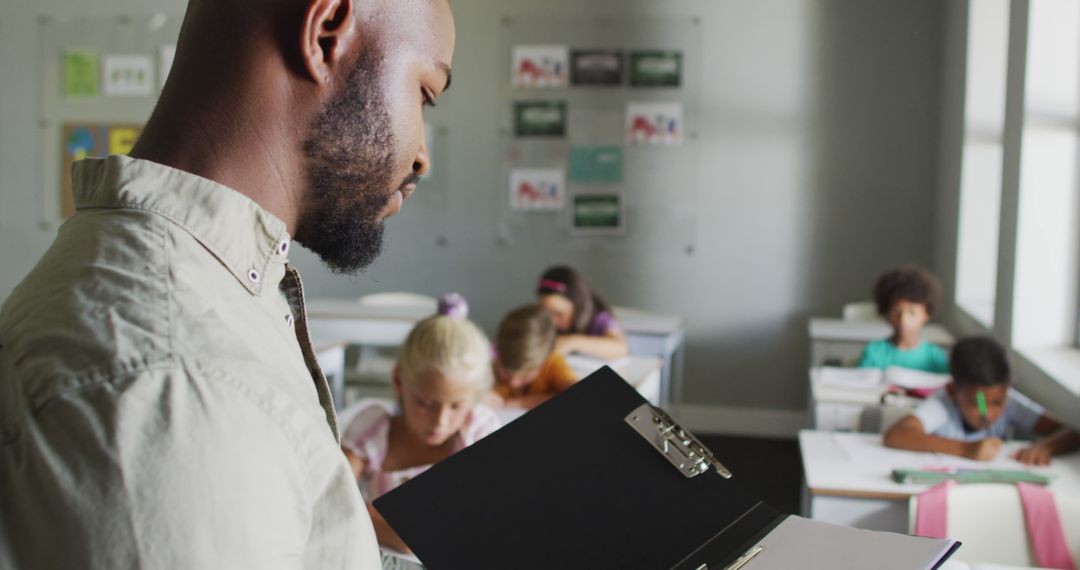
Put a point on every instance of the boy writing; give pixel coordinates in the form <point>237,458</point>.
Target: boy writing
<point>971,416</point>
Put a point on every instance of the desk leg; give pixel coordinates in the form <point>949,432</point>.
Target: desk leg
<point>804,500</point>
<point>871,514</point>
<point>665,382</point>
<point>675,381</point>
<point>332,363</point>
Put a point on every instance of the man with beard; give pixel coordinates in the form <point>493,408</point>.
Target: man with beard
<point>160,404</point>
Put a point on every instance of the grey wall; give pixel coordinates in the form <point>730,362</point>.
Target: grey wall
<point>816,167</point>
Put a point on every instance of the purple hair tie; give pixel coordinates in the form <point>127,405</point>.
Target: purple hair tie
<point>453,305</point>
<point>553,285</point>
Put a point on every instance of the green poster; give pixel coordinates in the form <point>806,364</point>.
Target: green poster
<point>540,118</point>
<point>655,68</point>
<point>81,74</point>
<point>597,212</point>
<point>596,164</point>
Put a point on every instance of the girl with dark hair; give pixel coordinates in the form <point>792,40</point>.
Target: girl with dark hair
<point>585,322</point>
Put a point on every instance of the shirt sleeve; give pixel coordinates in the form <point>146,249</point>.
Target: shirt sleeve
<point>483,421</point>
<point>603,323</point>
<point>932,413</point>
<point>502,390</point>
<point>1022,412</point>
<point>365,434</point>
<point>871,356</point>
<point>186,474</point>
<point>939,359</point>
<point>559,374</point>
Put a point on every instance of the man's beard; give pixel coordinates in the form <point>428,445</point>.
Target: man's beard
<point>349,161</point>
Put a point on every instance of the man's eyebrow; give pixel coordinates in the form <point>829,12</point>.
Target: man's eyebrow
<point>446,69</point>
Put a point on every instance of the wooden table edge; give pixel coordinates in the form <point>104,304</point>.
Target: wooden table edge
<point>890,495</point>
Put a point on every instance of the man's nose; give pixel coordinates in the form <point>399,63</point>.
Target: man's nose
<point>422,162</point>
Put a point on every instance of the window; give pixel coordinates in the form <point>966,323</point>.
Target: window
<point>1048,218</point>
<point>980,176</point>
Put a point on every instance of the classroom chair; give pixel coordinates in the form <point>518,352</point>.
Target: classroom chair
<point>861,311</point>
<point>879,418</point>
<point>369,369</point>
<point>989,520</point>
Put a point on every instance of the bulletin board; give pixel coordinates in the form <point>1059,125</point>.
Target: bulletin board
<point>655,194</point>
<point>99,79</point>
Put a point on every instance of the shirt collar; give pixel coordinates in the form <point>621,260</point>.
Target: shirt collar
<point>251,242</point>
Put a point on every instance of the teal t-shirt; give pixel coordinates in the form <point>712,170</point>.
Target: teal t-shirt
<point>927,356</point>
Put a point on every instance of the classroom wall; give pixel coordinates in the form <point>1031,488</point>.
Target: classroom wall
<point>817,150</point>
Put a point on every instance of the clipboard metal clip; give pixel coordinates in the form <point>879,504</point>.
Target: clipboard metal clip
<point>677,445</point>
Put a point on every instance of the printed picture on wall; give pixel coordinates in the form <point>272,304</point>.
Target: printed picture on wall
<point>596,67</point>
<point>654,123</point>
<point>537,188</point>
<point>91,140</point>
<point>655,68</point>
<point>540,66</point>
<point>81,74</point>
<point>128,75</point>
<point>597,214</point>
<point>596,164</point>
<point>539,118</point>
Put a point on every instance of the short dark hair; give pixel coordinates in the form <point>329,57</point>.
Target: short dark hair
<point>908,283</point>
<point>979,361</point>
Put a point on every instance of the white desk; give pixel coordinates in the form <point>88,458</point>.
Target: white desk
<point>846,478</point>
<point>660,336</point>
<point>835,409</point>
<point>647,334</point>
<point>354,323</point>
<point>836,341</point>
<point>641,372</point>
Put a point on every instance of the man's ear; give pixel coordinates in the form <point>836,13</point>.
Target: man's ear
<point>328,34</point>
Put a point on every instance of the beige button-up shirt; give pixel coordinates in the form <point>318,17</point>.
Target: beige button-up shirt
<point>160,404</point>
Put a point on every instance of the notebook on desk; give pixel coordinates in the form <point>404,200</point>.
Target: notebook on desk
<point>598,478</point>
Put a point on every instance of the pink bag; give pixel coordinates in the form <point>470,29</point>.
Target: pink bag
<point>1045,532</point>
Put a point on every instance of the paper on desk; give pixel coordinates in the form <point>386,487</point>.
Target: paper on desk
<point>959,565</point>
<point>586,365</point>
<point>797,541</point>
<point>860,449</point>
<point>914,379</point>
<point>866,379</point>
<point>1002,461</point>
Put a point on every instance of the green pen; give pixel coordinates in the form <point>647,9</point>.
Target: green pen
<point>981,399</point>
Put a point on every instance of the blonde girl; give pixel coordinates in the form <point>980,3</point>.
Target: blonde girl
<point>443,370</point>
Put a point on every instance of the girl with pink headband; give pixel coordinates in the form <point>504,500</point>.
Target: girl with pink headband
<point>585,322</point>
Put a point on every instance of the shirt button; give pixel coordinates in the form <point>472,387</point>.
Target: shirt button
<point>253,276</point>
<point>283,247</point>
<point>289,320</point>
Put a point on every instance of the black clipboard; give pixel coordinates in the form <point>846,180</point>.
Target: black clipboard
<point>593,478</point>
